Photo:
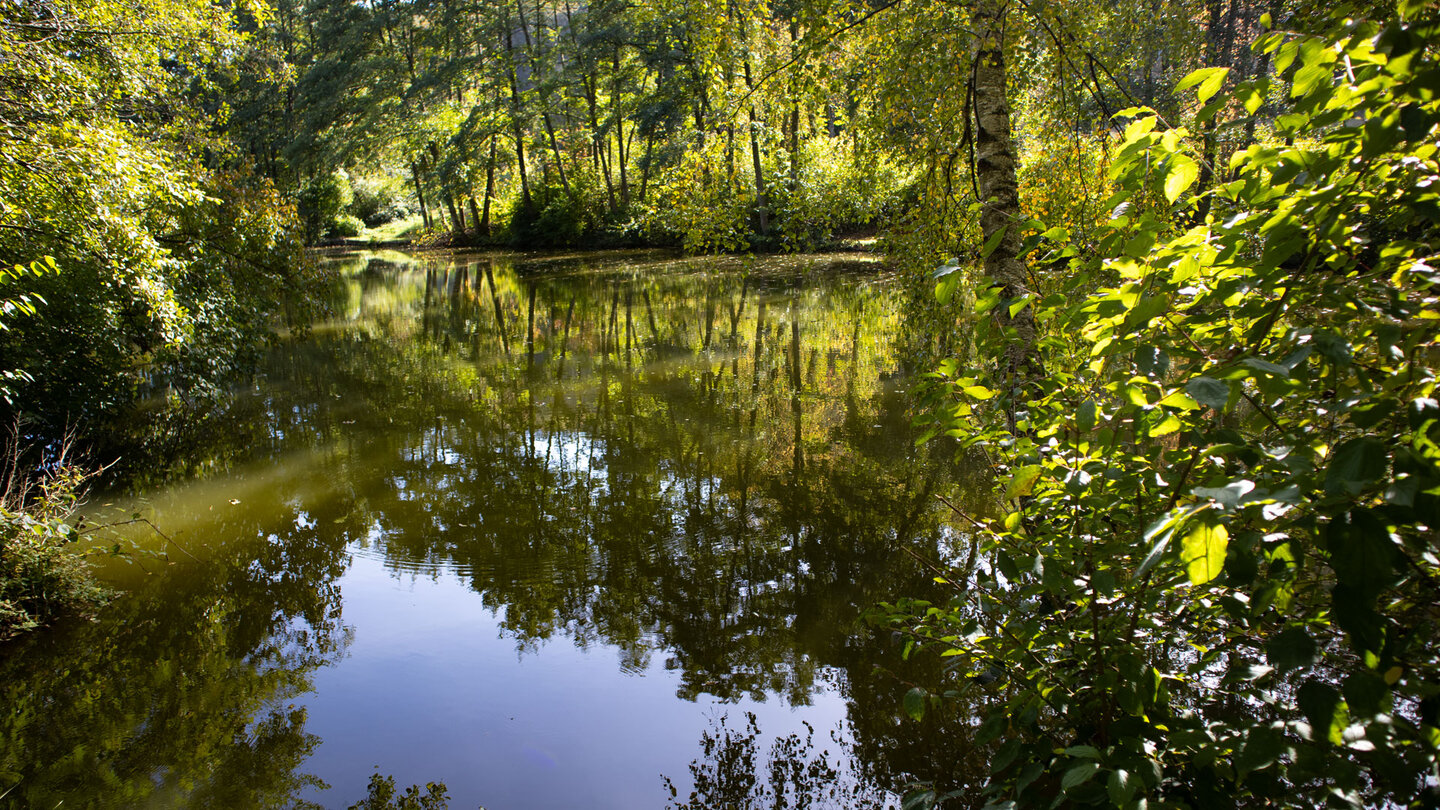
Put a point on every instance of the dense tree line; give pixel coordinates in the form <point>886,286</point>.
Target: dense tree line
<point>716,125</point>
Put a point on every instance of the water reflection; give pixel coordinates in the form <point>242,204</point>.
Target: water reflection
<point>705,469</point>
<point>182,696</point>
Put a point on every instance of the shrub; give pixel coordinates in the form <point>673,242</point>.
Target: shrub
<point>833,192</point>
<point>322,199</point>
<point>698,204</point>
<point>379,199</point>
<point>347,225</point>
<point>1216,582</point>
<point>41,578</point>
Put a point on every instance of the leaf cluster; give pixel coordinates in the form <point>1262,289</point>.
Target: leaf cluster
<point>1217,581</point>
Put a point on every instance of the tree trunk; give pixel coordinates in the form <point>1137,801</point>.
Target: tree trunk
<point>762,213</point>
<point>999,190</point>
<point>623,155</point>
<point>420,194</point>
<point>515,115</point>
<point>484,218</point>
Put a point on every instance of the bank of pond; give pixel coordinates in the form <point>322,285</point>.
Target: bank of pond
<point>569,530</point>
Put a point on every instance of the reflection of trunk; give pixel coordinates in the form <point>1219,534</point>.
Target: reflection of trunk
<point>795,410</point>
<point>530,327</point>
<point>759,339</point>
<point>798,460</point>
<point>995,173</point>
<point>854,351</point>
<point>629,322</point>
<point>614,309</point>
<point>565,339</point>
<point>499,315</point>
<point>736,312</point>
<point>709,315</point>
<point>650,316</point>
<point>795,355</point>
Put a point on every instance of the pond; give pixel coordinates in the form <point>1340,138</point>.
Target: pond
<point>582,530</point>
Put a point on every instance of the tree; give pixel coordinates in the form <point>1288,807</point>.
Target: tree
<point>1215,583</point>
<point>105,171</point>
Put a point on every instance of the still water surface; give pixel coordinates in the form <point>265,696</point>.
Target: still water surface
<point>588,531</point>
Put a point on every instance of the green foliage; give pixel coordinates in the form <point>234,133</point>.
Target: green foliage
<point>22,305</point>
<point>41,576</point>
<point>836,189</point>
<point>380,198</point>
<point>322,202</point>
<point>557,218</point>
<point>381,794</point>
<point>700,205</point>
<point>347,225</point>
<point>1217,582</point>
<point>163,260</point>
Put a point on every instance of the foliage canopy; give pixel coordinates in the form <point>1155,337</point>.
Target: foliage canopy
<point>1217,581</point>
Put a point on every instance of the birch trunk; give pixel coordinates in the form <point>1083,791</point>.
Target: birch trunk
<point>999,189</point>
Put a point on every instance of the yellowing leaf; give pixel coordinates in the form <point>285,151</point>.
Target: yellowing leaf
<point>1023,482</point>
<point>1202,551</point>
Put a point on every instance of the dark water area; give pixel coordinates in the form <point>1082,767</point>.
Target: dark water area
<point>590,530</point>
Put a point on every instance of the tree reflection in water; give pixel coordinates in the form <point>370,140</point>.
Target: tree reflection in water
<point>180,695</point>
<point>710,467</point>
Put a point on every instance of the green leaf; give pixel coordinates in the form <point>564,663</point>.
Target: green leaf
<point>914,703</point>
<point>1202,551</point>
<point>1085,417</point>
<point>1180,401</point>
<point>1209,81</point>
<point>1318,702</point>
<point>1293,648</point>
<point>1229,496</point>
<point>947,268</point>
<point>1263,746</point>
<point>1182,175</point>
<point>1078,775</point>
<point>1166,425</point>
<point>1355,465</point>
<point>992,242</point>
<point>1022,483</point>
<point>978,392</point>
<point>1362,554</point>
<point>1120,786</point>
<point>1212,393</point>
<point>1366,693</point>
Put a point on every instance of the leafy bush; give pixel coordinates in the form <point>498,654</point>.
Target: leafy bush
<point>697,204</point>
<point>556,218</point>
<point>321,202</point>
<point>40,577</point>
<point>382,794</point>
<point>347,225</point>
<point>834,191</point>
<point>180,313</point>
<point>378,199</point>
<point>1218,580</point>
